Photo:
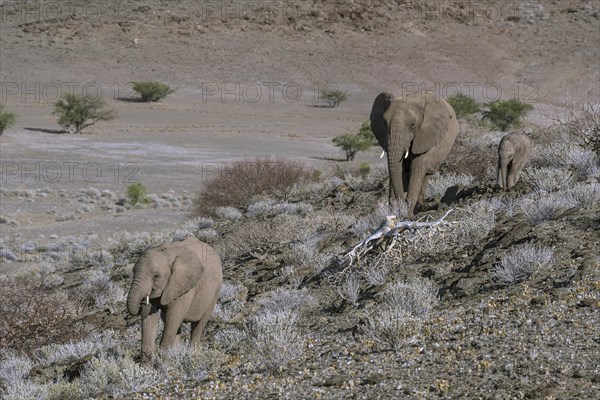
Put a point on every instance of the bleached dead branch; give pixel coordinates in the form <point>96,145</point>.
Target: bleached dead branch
<point>387,233</point>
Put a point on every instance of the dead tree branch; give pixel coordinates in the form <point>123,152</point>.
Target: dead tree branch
<point>387,233</point>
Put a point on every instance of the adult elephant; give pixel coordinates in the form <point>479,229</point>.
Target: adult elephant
<point>182,281</point>
<point>417,133</point>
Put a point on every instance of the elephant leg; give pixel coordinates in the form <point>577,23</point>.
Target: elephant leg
<point>423,189</point>
<point>417,176</point>
<point>504,166</point>
<point>149,327</point>
<point>198,330</point>
<point>173,319</point>
<point>511,175</point>
<point>499,175</point>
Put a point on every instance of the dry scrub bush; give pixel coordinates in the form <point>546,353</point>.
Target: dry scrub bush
<point>13,379</point>
<point>541,207</point>
<point>276,338</point>
<point>282,299</point>
<point>586,162</point>
<point>229,213</point>
<point>548,179</point>
<point>523,262</point>
<point>581,120</point>
<point>586,195</point>
<point>474,153</point>
<point>439,183</point>
<point>97,291</point>
<point>272,208</point>
<point>116,375</point>
<point>236,184</point>
<point>33,315</point>
<point>230,339</point>
<point>97,342</point>
<point>232,300</point>
<point>190,362</point>
<point>405,305</point>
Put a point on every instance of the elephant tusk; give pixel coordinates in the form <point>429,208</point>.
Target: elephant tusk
<point>406,155</point>
<point>147,299</point>
<point>382,154</point>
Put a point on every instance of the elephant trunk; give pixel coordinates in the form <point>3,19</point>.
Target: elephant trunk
<point>398,146</point>
<point>137,293</point>
<point>396,184</point>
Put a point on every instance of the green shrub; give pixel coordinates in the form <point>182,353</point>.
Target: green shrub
<point>76,112</point>
<point>136,193</point>
<point>152,91</point>
<point>7,119</point>
<point>463,105</point>
<point>504,114</point>
<point>333,97</point>
<point>364,168</point>
<point>366,133</point>
<point>351,144</point>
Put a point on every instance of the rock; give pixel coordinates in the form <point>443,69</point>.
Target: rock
<point>373,378</point>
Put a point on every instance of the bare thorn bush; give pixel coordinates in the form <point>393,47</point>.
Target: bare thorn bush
<point>33,315</point>
<point>523,262</point>
<point>236,184</point>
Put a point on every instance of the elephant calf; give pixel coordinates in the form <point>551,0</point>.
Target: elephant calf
<point>182,280</point>
<point>513,152</point>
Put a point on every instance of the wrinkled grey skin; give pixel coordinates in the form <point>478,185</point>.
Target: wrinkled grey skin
<point>183,280</point>
<point>513,152</point>
<point>417,132</point>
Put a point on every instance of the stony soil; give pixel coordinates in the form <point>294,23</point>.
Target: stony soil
<point>537,339</point>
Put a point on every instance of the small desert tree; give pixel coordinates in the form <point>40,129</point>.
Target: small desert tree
<point>151,91</point>
<point>366,133</point>
<point>463,105</point>
<point>77,112</point>
<point>7,119</point>
<point>351,144</point>
<point>333,97</point>
<point>506,113</point>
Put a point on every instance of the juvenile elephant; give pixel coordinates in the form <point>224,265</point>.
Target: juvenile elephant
<point>182,280</point>
<point>417,132</point>
<point>513,152</point>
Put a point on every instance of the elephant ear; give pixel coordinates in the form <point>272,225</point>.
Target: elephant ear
<point>433,126</point>
<point>379,124</point>
<point>186,271</point>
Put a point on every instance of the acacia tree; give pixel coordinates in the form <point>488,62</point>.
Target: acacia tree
<point>351,144</point>
<point>77,112</point>
<point>7,119</point>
